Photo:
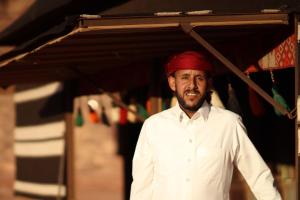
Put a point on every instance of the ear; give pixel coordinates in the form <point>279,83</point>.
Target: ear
<point>171,81</point>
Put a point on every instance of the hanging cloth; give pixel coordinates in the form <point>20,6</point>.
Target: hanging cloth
<point>93,115</point>
<point>256,104</point>
<point>173,101</point>
<point>279,99</point>
<point>232,102</point>
<point>142,111</point>
<point>123,116</point>
<point>79,118</point>
<point>149,106</point>
<point>165,104</point>
<point>115,114</point>
<point>104,117</point>
<point>130,116</point>
<point>277,96</point>
<point>215,99</point>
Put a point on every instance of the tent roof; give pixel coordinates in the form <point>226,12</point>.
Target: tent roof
<point>43,15</point>
<point>121,52</point>
<point>46,14</point>
<point>146,7</point>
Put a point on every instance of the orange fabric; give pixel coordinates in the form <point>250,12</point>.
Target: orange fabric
<point>94,117</point>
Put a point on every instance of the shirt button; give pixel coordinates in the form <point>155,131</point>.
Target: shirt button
<point>187,180</point>
<point>189,160</point>
<point>190,141</point>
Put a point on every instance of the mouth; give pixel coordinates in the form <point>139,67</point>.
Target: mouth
<point>191,93</point>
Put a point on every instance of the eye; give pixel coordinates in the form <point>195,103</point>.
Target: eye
<point>184,77</point>
<point>200,78</point>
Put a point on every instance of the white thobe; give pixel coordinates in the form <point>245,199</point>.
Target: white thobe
<point>178,158</point>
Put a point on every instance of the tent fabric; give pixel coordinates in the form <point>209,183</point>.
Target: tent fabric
<point>146,7</point>
<point>282,56</point>
<point>39,141</point>
<point>25,23</point>
<point>100,46</point>
<point>46,14</point>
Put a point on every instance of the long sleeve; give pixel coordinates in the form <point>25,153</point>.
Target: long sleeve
<point>253,168</point>
<point>142,169</point>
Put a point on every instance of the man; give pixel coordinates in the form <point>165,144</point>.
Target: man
<point>188,151</point>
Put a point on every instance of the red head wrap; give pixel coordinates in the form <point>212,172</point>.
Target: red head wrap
<point>188,60</point>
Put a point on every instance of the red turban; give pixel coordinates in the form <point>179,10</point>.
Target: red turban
<point>188,60</point>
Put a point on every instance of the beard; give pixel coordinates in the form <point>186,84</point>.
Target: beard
<point>187,107</point>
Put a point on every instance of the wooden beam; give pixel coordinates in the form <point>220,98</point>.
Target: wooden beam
<point>162,22</point>
<point>297,94</point>
<point>109,49</point>
<point>188,29</point>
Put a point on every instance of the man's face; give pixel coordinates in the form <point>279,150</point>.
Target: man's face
<point>190,87</point>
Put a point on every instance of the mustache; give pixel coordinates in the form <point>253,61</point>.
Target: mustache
<point>192,91</point>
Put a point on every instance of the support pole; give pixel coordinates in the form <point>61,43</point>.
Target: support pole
<point>188,29</point>
<point>69,94</point>
<point>297,96</point>
<point>70,157</point>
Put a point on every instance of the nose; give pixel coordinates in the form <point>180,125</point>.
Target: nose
<point>193,83</point>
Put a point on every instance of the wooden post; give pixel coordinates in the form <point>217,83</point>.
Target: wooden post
<point>297,95</point>
<point>69,93</point>
<point>7,90</point>
<point>69,136</point>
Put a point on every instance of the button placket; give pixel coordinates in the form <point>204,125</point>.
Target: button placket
<point>190,152</point>
<point>190,156</point>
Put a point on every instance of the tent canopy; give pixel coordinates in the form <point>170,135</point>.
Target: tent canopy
<point>121,47</point>
<point>46,14</point>
<point>146,7</point>
<point>43,15</point>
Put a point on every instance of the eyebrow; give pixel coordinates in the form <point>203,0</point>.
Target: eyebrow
<point>198,75</point>
<point>185,74</point>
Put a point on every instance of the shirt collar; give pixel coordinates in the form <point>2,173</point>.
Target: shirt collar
<point>202,111</point>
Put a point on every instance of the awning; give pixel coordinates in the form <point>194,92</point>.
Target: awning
<point>111,49</point>
<point>43,15</point>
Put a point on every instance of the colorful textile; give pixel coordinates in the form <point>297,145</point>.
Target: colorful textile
<point>149,106</point>
<point>216,100</point>
<point>232,102</point>
<point>142,111</point>
<point>256,104</point>
<point>79,118</point>
<point>282,56</point>
<point>115,114</point>
<point>104,117</point>
<point>93,115</point>
<point>123,116</point>
<point>131,117</point>
<point>279,99</point>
